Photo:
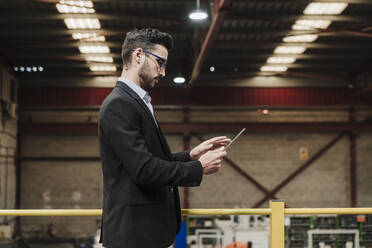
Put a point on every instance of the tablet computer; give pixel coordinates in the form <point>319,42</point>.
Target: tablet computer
<point>235,138</point>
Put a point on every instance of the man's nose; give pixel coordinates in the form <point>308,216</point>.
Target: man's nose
<point>162,72</point>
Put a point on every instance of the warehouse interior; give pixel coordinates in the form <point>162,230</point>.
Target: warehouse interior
<point>297,74</point>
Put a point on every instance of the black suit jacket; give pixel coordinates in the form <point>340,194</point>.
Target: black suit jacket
<point>141,206</point>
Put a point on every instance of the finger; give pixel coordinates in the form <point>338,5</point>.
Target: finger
<point>216,139</point>
<point>217,147</point>
<point>220,147</point>
<point>222,141</point>
<point>227,140</point>
<point>218,165</point>
<point>211,171</point>
<point>221,154</point>
<point>222,151</point>
<point>217,161</point>
<point>209,146</point>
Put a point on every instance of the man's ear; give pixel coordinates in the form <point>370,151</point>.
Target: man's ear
<point>139,56</point>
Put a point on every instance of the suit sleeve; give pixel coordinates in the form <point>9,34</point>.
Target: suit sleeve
<point>121,123</point>
<point>181,156</point>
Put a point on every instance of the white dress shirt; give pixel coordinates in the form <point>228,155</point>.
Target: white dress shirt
<point>141,93</point>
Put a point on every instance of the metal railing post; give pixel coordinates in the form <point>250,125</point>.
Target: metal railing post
<point>277,224</point>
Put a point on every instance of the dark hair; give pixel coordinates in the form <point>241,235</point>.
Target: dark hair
<point>145,38</point>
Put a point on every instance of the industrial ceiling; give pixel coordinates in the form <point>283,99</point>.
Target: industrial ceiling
<point>234,45</point>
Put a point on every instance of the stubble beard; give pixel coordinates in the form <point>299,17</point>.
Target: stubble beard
<point>146,80</point>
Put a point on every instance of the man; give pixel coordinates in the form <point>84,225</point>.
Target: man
<point>141,206</point>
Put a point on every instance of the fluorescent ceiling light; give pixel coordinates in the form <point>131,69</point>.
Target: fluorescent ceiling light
<point>273,68</point>
<point>100,59</point>
<point>102,68</point>
<point>311,24</point>
<point>88,36</point>
<point>198,15</point>
<point>62,8</point>
<point>179,80</point>
<point>301,38</point>
<point>289,49</point>
<point>94,49</point>
<point>29,68</point>
<point>324,8</point>
<point>79,3</point>
<point>82,23</point>
<point>281,60</point>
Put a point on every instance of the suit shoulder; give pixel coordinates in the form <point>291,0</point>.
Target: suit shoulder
<point>119,103</point>
<point>117,98</point>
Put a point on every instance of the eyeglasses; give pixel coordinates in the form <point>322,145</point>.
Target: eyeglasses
<point>162,62</point>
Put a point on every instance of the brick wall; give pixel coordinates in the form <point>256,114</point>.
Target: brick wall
<point>60,171</point>
<point>63,170</point>
<point>8,143</point>
<point>364,170</point>
<point>269,159</point>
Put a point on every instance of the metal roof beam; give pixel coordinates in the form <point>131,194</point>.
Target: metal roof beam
<point>222,55</point>
<point>253,81</point>
<point>239,1</point>
<point>269,44</point>
<point>174,30</point>
<point>207,128</point>
<point>291,18</point>
<point>16,16</point>
<point>244,56</point>
<point>36,55</point>
<point>272,44</point>
<point>306,1</point>
<point>242,66</point>
<point>12,16</point>
<point>221,65</point>
<point>15,30</point>
<point>219,13</point>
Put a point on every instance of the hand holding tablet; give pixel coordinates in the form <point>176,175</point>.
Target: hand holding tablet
<point>235,138</point>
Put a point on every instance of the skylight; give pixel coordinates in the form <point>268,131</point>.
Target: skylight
<point>82,23</point>
<point>94,49</point>
<point>317,8</point>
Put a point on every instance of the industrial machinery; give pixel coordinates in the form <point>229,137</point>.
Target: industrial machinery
<point>228,231</point>
<point>305,231</point>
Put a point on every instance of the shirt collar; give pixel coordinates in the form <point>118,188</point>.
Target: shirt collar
<point>139,91</point>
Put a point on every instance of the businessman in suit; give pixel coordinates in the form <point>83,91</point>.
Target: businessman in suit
<point>141,206</point>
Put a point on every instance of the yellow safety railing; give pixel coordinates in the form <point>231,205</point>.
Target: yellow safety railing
<point>276,212</point>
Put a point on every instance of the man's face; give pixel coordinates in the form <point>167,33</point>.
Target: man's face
<point>151,70</point>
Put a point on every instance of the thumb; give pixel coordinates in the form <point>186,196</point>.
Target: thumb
<point>222,151</point>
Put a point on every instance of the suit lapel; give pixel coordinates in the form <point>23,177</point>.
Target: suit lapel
<point>163,141</point>
<point>138,99</point>
<point>148,114</point>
